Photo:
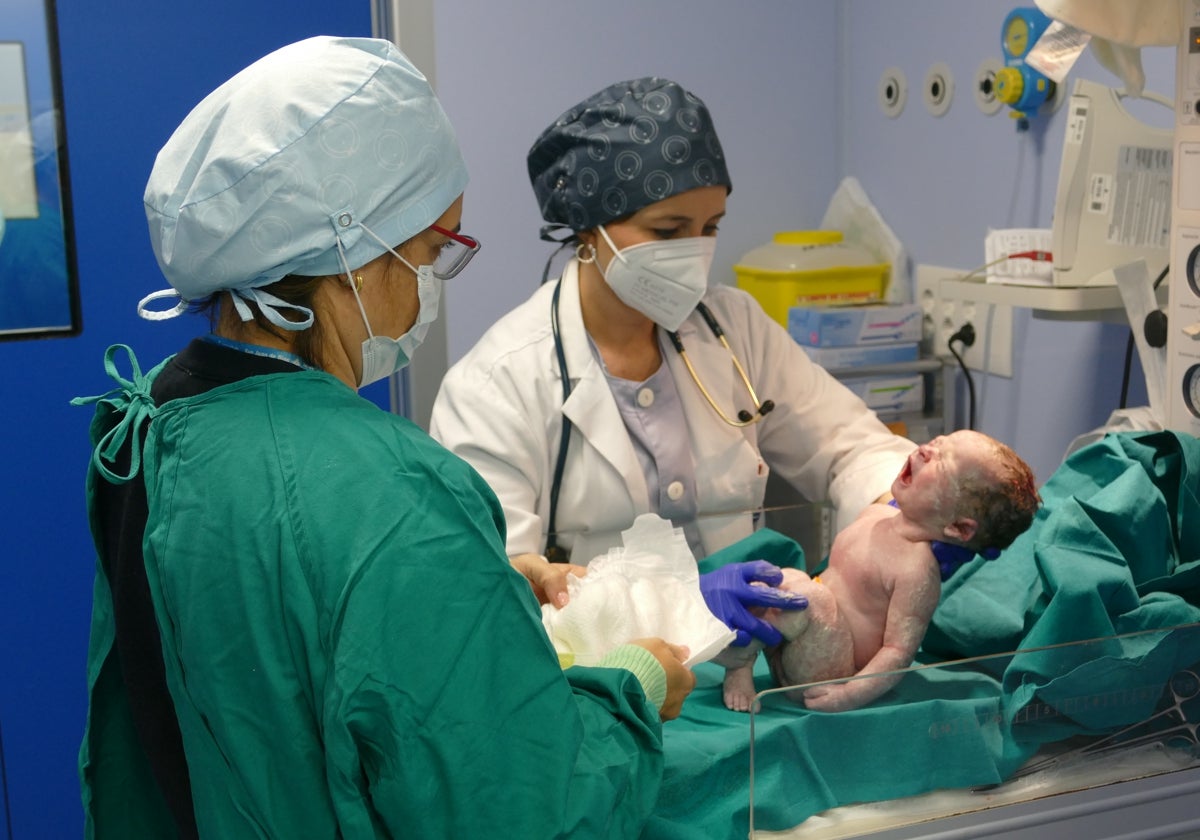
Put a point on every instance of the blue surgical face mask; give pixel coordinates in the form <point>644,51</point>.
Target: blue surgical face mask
<point>382,355</point>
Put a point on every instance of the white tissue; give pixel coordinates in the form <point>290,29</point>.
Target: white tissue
<point>648,588</point>
<point>851,212</point>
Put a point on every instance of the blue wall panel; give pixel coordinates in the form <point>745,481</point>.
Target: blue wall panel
<point>131,71</point>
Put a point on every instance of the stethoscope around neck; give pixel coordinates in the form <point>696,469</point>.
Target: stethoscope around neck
<point>554,552</point>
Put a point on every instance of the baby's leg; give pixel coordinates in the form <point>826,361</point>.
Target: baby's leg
<point>739,675</point>
<point>739,688</point>
<point>792,624</point>
<point>823,650</point>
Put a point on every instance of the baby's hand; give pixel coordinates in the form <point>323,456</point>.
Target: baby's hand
<point>830,698</point>
<point>843,696</point>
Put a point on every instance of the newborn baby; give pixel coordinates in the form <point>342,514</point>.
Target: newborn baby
<point>868,611</point>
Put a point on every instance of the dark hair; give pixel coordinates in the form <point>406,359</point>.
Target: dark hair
<point>1003,500</point>
<point>295,289</point>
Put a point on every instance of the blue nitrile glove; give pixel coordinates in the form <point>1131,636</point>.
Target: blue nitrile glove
<point>950,556</point>
<point>728,592</point>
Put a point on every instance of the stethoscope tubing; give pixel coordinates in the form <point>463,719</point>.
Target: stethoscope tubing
<point>556,553</point>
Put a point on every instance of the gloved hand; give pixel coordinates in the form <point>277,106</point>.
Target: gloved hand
<point>729,593</point>
<point>950,556</point>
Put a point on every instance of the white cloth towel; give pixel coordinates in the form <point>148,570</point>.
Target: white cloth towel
<point>650,587</point>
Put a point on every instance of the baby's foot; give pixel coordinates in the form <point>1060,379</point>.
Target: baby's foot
<point>739,688</point>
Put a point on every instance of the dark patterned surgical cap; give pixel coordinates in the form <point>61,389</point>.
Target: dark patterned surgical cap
<point>626,147</point>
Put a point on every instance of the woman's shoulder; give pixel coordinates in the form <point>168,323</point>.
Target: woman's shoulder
<point>320,426</point>
<point>515,339</point>
<point>283,395</point>
<point>526,323</point>
<point>746,324</point>
<point>306,405</point>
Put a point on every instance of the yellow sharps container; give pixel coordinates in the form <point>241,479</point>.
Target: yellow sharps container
<point>810,268</point>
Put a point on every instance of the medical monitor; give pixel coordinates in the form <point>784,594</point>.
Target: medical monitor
<point>39,293</point>
<point>1113,204</point>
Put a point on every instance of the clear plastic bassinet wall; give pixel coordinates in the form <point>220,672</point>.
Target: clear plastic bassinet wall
<point>1080,644</point>
<point>1089,739</point>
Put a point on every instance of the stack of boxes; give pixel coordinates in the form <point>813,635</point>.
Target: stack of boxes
<point>853,342</point>
<point>828,294</point>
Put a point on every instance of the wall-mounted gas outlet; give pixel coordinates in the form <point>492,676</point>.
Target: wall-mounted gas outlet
<point>944,312</point>
<point>985,86</point>
<point>939,89</point>
<point>893,90</point>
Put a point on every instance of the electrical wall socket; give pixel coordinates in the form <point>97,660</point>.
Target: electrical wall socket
<point>945,311</point>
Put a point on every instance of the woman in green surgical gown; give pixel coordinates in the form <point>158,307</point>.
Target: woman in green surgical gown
<point>305,624</point>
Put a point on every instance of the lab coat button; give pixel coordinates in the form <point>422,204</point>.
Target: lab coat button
<point>645,398</point>
<point>675,491</point>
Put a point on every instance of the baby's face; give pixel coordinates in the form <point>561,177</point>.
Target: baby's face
<point>927,481</point>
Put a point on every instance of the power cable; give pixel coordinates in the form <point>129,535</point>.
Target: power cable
<point>965,334</point>
<point>1158,323</point>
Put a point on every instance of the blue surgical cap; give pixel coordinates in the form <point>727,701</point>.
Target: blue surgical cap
<point>622,149</point>
<point>302,149</point>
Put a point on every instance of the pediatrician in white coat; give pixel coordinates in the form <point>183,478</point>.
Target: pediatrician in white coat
<point>635,180</point>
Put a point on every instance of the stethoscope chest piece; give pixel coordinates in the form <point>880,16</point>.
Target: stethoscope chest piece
<point>744,417</point>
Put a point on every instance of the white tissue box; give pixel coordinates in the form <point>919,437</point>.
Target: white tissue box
<point>844,326</point>
<point>838,358</point>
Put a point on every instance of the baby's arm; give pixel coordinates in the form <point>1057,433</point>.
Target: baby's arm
<point>909,610</point>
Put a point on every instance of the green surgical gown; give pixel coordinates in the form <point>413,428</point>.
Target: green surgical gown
<point>348,650</point>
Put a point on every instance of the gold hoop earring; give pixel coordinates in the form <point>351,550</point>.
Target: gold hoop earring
<point>585,252</point>
<point>358,281</point>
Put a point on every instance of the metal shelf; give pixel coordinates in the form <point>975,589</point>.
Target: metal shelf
<point>1060,303</point>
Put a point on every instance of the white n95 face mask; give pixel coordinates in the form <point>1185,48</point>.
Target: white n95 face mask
<point>382,356</point>
<point>664,280</point>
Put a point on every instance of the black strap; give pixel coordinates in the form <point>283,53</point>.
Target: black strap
<point>122,511</point>
<point>555,553</point>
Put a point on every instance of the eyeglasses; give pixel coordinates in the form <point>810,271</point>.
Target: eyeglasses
<point>454,255</point>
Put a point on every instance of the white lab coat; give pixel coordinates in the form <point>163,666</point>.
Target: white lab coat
<point>500,409</point>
